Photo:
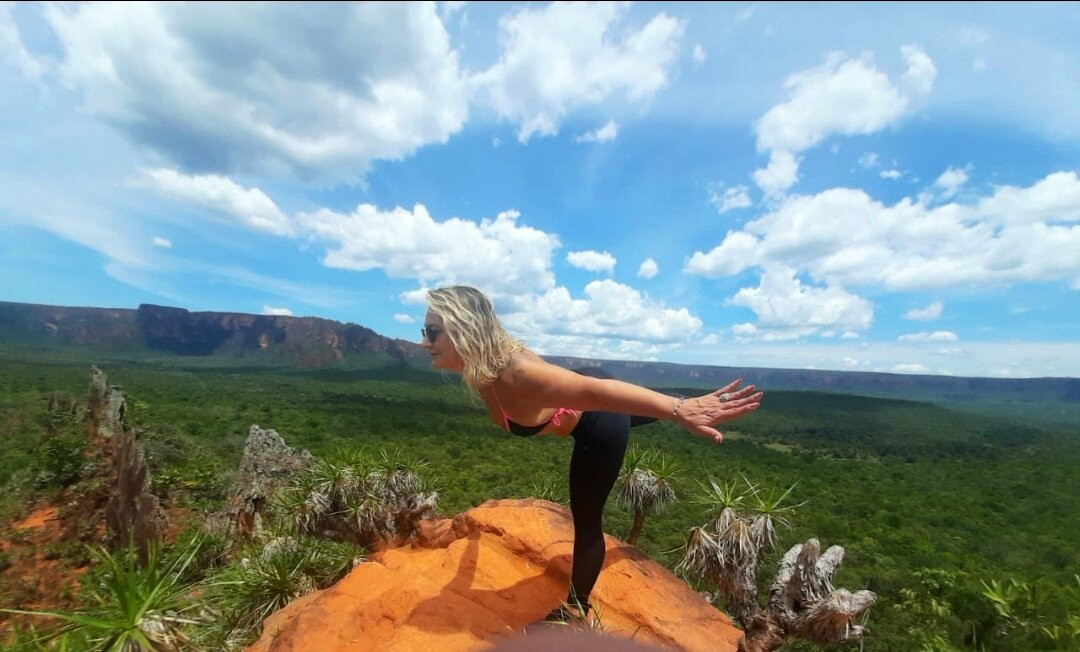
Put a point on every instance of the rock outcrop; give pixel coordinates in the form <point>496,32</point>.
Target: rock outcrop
<point>268,464</point>
<point>479,579</point>
<point>133,513</point>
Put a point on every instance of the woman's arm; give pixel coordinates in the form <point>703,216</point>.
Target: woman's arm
<point>553,386</point>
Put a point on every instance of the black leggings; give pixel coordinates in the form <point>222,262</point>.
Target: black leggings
<point>600,440</point>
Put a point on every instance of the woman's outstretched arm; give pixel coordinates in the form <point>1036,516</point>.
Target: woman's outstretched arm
<point>554,386</point>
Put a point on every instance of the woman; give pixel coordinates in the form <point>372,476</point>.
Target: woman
<point>526,396</point>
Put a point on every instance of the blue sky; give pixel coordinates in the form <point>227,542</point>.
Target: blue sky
<point>878,187</point>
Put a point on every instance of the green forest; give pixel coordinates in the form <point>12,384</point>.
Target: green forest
<point>964,525</point>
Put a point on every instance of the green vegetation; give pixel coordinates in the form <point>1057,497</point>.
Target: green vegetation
<point>946,516</point>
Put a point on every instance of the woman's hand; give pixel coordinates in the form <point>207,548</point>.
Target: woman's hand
<point>700,414</point>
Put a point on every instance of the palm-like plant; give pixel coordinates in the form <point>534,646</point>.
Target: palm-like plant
<point>137,607</point>
<point>356,499</point>
<point>728,550</point>
<point>645,484</point>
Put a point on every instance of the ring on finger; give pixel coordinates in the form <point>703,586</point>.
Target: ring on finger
<point>725,397</point>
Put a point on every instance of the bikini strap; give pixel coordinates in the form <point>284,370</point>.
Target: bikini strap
<point>506,418</point>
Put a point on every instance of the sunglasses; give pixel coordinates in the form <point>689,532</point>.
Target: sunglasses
<point>430,333</point>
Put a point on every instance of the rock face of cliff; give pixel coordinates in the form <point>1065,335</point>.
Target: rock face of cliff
<point>477,580</point>
<point>294,341</point>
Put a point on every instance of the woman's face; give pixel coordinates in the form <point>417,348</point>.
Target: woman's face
<point>440,348</point>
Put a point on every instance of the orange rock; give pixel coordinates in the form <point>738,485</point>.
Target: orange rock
<point>37,519</point>
<point>478,580</point>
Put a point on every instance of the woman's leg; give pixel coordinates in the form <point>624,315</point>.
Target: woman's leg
<point>600,440</point>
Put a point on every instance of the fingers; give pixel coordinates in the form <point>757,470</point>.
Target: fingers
<point>734,394</point>
<point>730,387</point>
<point>710,433</point>
<point>736,412</point>
<point>741,401</point>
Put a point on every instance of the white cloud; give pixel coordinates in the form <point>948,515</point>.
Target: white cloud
<point>12,50</point>
<point>780,174</point>
<point>162,242</point>
<point>248,206</point>
<point>731,199</point>
<point>842,96</point>
<point>319,92</point>
<point>951,180</point>
<point>1025,359</point>
<point>648,269</point>
<point>910,368</point>
<point>936,336</point>
<point>592,261</point>
<point>784,305</point>
<point>891,174</point>
<point>568,55</point>
<point>869,160</point>
<point>604,134</point>
<point>402,318</point>
<point>498,256</point>
<point>843,237</point>
<point>929,313</point>
<point>610,311</point>
<point>712,339</point>
<point>282,312</point>
<point>698,54</point>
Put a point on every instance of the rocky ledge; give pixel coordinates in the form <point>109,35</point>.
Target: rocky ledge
<point>477,580</point>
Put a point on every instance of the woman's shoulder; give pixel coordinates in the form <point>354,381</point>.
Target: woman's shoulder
<point>521,361</point>
<point>527,369</point>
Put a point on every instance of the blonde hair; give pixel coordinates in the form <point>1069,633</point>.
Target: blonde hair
<point>479,337</point>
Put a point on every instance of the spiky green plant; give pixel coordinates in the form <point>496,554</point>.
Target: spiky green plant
<point>269,578</point>
<point>136,606</point>
<point>770,510</point>
<point>353,498</point>
<point>548,489</point>
<point>645,484</point>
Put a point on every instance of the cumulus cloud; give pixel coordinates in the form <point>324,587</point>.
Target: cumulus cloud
<point>592,261</point>
<point>869,160</point>
<point>319,92</point>
<point>567,55</point>
<point>609,311</point>
<point>843,237</point>
<point>698,54</point>
<point>842,96</point>
<point>910,368</point>
<point>499,255</point>
<point>162,242</point>
<point>249,207</point>
<point>648,269</point>
<point>730,199</point>
<point>936,336</point>
<point>929,313</point>
<point>604,134</point>
<point>951,180</point>
<point>784,305</point>
<point>271,310</point>
<point>891,174</point>
<point>402,318</point>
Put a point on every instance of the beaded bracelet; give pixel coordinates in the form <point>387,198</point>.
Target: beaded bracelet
<point>675,410</point>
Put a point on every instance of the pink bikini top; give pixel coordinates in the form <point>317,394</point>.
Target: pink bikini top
<point>526,431</point>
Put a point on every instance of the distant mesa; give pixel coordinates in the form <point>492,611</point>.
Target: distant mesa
<point>307,342</point>
<point>239,339</point>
